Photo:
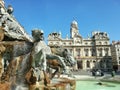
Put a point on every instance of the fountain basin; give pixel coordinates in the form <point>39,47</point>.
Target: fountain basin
<point>56,84</point>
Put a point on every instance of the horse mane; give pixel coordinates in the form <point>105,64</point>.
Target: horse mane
<point>57,50</point>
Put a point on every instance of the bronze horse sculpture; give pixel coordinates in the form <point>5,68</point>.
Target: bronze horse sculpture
<point>61,56</point>
<point>64,53</point>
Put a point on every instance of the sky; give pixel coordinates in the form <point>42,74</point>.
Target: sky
<point>57,15</point>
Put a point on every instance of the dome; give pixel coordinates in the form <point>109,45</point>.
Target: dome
<point>42,31</point>
<point>74,22</point>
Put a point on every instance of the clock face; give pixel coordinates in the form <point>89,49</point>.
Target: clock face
<point>73,33</point>
<point>78,40</point>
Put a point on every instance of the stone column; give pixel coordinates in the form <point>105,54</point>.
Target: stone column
<point>109,52</point>
<point>82,52</point>
<point>89,52</point>
<point>74,52</point>
<point>96,52</point>
<point>91,64</point>
<point>84,65</point>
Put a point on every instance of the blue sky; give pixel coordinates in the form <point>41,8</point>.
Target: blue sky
<point>56,16</point>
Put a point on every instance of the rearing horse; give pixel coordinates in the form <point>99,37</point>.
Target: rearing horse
<point>61,59</point>
<point>64,53</point>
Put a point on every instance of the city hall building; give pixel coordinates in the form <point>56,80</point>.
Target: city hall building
<point>91,52</point>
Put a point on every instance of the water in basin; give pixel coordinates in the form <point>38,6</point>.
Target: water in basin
<point>94,85</point>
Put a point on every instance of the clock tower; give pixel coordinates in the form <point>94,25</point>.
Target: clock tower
<point>74,29</point>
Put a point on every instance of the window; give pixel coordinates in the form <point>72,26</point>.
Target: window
<point>100,52</point>
<point>105,43</point>
<point>88,64</point>
<point>119,62</point>
<point>94,61</point>
<point>86,52</point>
<point>70,43</point>
<point>93,52</point>
<point>86,43</point>
<point>100,43</point>
<point>106,52</point>
<point>107,61</point>
<point>92,43</point>
<point>78,52</point>
<point>71,50</point>
<point>64,43</point>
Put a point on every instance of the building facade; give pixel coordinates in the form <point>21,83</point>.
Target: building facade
<point>115,52</point>
<point>93,52</point>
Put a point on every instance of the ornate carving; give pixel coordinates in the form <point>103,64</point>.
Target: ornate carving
<point>100,35</point>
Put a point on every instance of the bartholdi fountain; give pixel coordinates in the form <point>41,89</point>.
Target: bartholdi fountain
<point>25,61</point>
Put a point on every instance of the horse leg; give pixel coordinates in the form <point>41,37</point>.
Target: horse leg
<point>46,79</point>
<point>56,71</point>
<point>62,63</point>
